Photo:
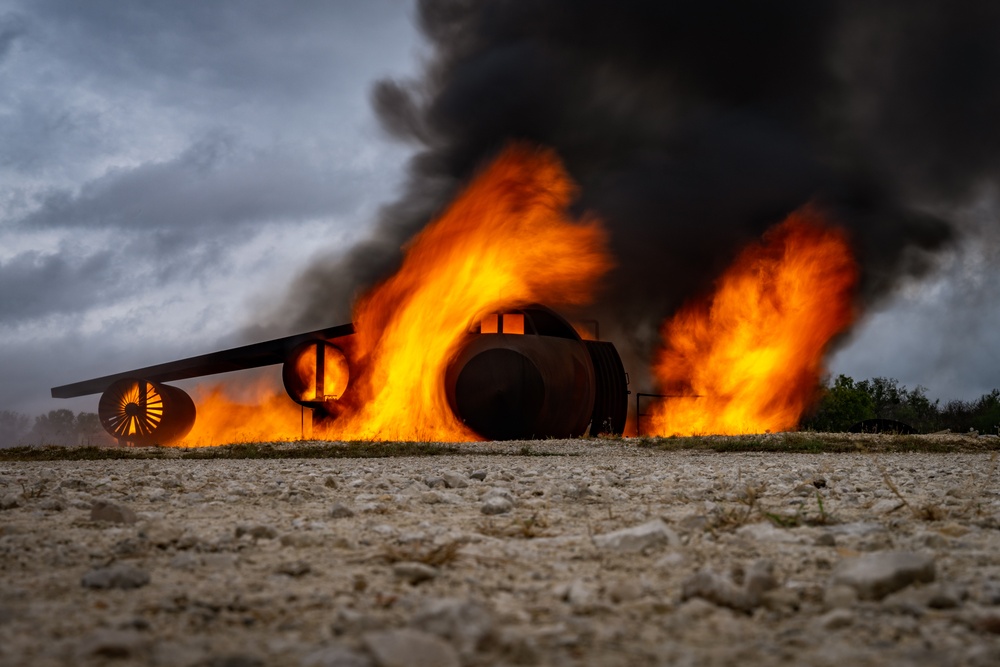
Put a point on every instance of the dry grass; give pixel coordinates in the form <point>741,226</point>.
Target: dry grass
<point>804,442</point>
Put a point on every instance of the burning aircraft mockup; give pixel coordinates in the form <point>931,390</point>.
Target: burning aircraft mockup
<point>524,373</point>
<point>451,347</point>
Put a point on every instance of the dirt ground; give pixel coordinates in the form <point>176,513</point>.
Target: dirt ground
<point>558,553</point>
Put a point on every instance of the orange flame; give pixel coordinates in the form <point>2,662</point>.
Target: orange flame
<point>505,241</point>
<point>753,353</point>
<point>262,413</point>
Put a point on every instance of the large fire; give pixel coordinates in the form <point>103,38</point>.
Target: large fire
<point>748,359</point>
<point>505,241</point>
<point>262,412</point>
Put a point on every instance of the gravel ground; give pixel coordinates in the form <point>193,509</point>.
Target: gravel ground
<point>583,553</point>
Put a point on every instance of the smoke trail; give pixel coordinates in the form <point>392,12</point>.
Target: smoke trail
<point>691,127</point>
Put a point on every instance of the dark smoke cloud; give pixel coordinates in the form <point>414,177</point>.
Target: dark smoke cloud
<point>693,126</point>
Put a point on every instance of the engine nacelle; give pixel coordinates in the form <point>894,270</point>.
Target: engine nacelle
<point>315,374</point>
<point>145,413</point>
<point>527,374</point>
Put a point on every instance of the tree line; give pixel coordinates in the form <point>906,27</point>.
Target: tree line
<point>848,401</point>
<point>57,427</point>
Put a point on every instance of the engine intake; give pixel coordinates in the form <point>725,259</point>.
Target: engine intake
<point>145,413</point>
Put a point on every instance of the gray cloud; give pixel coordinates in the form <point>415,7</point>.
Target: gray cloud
<point>210,184</point>
<point>35,285</point>
<point>164,164</point>
<point>940,332</point>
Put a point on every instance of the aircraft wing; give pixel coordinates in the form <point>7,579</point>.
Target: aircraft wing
<point>254,355</point>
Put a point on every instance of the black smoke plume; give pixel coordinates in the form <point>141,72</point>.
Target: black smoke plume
<point>691,126</point>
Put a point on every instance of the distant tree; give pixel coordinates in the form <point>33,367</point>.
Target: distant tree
<point>988,413</point>
<point>981,415</point>
<point>89,430</point>
<point>57,427</point>
<point>13,427</point>
<point>842,405</point>
<point>848,402</point>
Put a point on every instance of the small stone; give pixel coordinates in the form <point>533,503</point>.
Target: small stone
<point>257,531</point>
<point>671,560</point>
<point>825,540</point>
<point>988,593</point>
<point>760,578</point>
<point>409,648</point>
<point>694,523</point>
<point>989,622</point>
<point>302,539</point>
<point>840,596</point>
<point>220,561</point>
<point>953,529</point>
<point>453,480</point>
<point>579,593</point>
<point>945,597</point>
<point>638,538</point>
<point>624,590</point>
<point>781,599</point>
<point>467,623</point>
<point>130,546</point>
<point>336,656</point>
<point>805,490</point>
<point>916,600</point>
<point>10,501</point>
<point>161,534</point>
<point>185,560</point>
<point>720,590</point>
<point>340,511</point>
<point>496,505</point>
<point>479,475</point>
<point>111,644</point>
<point>119,575</point>
<point>234,660</point>
<point>876,575</point>
<point>499,492</point>
<point>52,504</point>
<point>836,619</point>
<point>102,510</point>
<point>296,568</point>
<point>935,541</point>
<point>414,572</point>
<point>431,498</point>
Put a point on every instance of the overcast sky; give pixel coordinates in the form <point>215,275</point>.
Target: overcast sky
<point>166,166</point>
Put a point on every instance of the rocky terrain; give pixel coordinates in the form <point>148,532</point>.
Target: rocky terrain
<point>567,553</point>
